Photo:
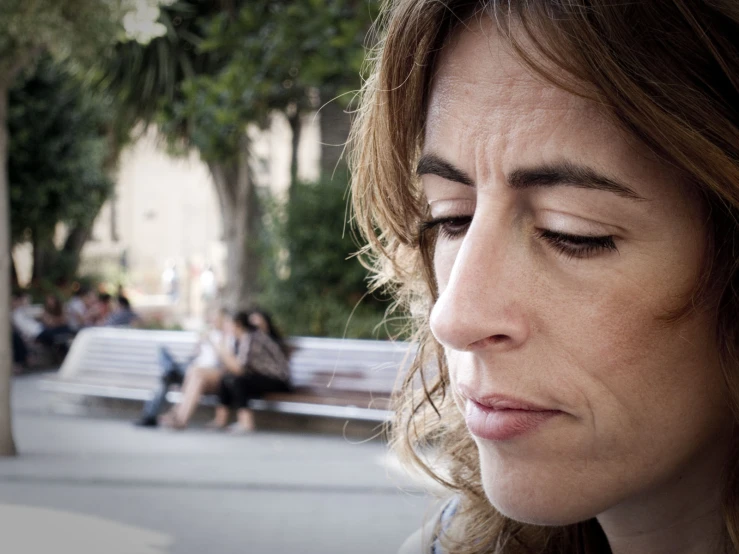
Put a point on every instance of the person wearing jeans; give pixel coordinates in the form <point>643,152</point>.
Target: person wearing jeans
<point>173,372</point>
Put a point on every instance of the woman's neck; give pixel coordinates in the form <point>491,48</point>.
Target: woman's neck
<point>680,517</point>
<point>690,534</point>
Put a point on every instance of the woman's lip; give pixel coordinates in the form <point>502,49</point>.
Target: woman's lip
<point>501,419</point>
<point>500,402</point>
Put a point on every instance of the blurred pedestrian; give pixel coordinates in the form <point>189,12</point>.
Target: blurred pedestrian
<point>23,328</point>
<point>123,315</point>
<point>79,306</point>
<point>208,286</point>
<point>100,310</point>
<point>260,366</point>
<point>203,363</point>
<point>23,323</point>
<point>56,333</point>
<point>171,281</point>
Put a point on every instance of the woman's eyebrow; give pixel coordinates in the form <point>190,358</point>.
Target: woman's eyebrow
<point>560,174</point>
<point>431,164</point>
<point>568,174</point>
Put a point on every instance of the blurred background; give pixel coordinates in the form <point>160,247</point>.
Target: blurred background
<point>162,160</point>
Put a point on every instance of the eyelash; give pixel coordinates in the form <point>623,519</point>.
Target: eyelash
<point>571,246</point>
<point>578,246</point>
<point>448,227</point>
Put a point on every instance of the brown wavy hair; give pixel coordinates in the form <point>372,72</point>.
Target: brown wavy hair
<point>668,73</point>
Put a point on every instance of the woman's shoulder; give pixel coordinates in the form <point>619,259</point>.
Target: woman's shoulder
<point>267,342</point>
<point>418,543</point>
<point>425,540</point>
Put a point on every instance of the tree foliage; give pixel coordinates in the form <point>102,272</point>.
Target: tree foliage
<point>285,50</point>
<point>245,62</point>
<point>57,153</point>
<point>313,283</point>
<point>72,28</point>
<point>149,78</point>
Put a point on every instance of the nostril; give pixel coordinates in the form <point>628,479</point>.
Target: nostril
<point>489,341</point>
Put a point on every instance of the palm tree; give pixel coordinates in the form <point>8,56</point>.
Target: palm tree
<point>150,80</point>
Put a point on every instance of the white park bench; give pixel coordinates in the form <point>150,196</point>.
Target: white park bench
<point>342,378</point>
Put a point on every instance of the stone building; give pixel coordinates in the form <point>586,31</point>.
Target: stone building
<point>164,218</point>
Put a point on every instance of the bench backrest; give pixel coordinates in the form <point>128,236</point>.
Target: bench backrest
<point>347,364</point>
<point>363,366</point>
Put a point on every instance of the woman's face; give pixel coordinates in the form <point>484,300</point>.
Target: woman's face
<point>562,246</point>
<point>259,322</point>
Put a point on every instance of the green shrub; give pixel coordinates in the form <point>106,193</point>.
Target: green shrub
<point>310,282</point>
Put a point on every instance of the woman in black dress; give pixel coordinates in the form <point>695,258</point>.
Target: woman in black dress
<point>259,366</point>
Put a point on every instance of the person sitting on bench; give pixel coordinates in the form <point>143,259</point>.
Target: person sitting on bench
<point>203,365</point>
<point>122,315</point>
<point>260,366</point>
<point>56,334</point>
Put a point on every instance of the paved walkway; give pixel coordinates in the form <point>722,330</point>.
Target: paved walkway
<point>92,485</point>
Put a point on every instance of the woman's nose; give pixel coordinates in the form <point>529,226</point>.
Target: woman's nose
<point>482,294</point>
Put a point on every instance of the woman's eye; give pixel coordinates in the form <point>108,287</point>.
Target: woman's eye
<point>578,246</point>
<point>573,246</point>
<point>448,227</point>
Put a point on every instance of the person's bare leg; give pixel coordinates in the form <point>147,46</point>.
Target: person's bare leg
<point>198,381</point>
<point>191,393</point>
<point>245,421</point>
<point>220,420</point>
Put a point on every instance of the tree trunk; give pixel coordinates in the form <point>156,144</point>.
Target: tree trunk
<point>296,128</point>
<point>335,124</point>
<point>14,282</point>
<point>76,240</point>
<point>44,257</point>
<point>240,214</point>
<point>7,446</point>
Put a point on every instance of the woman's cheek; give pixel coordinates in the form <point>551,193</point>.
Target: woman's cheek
<point>445,255</point>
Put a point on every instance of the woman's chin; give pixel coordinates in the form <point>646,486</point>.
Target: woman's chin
<point>533,501</point>
<point>536,512</point>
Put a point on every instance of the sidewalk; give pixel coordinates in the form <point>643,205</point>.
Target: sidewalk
<point>164,492</point>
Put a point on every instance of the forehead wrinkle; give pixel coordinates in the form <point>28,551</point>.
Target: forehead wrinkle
<point>488,121</point>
